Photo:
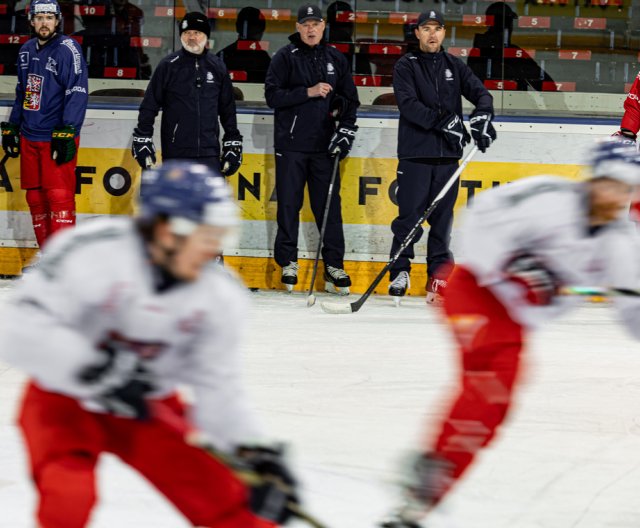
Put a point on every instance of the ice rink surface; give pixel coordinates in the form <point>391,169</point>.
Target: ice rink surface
<point>352,393</point>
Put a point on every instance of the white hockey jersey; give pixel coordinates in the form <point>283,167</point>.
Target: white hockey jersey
<point>548,217</point>
<point>96,279</point>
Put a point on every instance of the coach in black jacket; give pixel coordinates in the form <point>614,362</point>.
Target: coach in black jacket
<point>193,89</point>
<point>429,85</point>
<point>310,87</point>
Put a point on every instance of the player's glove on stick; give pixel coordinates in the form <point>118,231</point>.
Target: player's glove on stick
<point>143,149</point>
<point>123,381</point>
<point>10,139</point>
<point>274,491</point>
<point>454,130</point>
<point>482,130</point>
<point>541,285</point>
<point>231,155</point>
<point>63,144</point>
<point>342,140</point>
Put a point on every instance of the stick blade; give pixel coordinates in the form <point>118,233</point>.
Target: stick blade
<point>336,308</point>
<point>311,300</point>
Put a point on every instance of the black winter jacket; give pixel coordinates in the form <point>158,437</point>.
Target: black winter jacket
<point>193,91</point>
<point>304,124</point>
<point>428,87</point>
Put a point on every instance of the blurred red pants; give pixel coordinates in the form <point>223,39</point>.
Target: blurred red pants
<point>489,345</point>
<point>64,442</point>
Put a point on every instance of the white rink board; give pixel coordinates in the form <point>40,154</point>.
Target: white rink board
<point>353,392</point>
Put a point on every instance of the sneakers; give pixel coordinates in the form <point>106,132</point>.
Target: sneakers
<point>336,280</point>
<point>435,290</point>
<point>400,284</point>
<point>290,275</point>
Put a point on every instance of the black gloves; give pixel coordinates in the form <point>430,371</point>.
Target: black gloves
<point>143,149</point>
<point>454,130</point>
<point>482,130</point>
<point>231,154</point>
<point>529,271</point>
<point>63,144</point>
<point>10,139</point>
<point>122,378</point>
<point>342,140</point>
<point>275,488</point>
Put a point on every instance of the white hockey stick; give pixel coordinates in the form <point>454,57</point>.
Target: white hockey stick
<point>339,308</point>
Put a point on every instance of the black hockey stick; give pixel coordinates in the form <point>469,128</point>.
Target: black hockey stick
<point>338,308</point>
<point>180,425</point>
<point>311,298</point>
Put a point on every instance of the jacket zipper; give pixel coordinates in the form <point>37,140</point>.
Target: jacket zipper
<point>293,125</point>
<point>175,129</point>
<point>435,76</point>
<point>198,107</point>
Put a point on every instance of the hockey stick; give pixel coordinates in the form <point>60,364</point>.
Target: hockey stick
<point>311,298</point>
<point>596,291</point>
<point>338,308</point>
<point>247,476</point>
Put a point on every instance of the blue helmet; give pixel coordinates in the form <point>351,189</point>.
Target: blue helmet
<point>616,159</point>
<point>44,6</point>
<point>189,194</point>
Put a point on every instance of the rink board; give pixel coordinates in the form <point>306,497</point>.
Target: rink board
<point>108,178</point>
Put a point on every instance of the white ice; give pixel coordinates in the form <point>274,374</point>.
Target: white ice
<point>352,393</point>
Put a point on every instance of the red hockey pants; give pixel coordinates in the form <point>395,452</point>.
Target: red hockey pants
<point>64,442</point>
<point>489,345</point>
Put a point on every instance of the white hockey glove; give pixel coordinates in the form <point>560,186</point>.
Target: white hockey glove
<point>143,149</point>
<point>482,130</point>
<point>342,140</point>
<point>231,155</point>
<point>273,490</point>
<point>541,285</point>
<point>121,379</point>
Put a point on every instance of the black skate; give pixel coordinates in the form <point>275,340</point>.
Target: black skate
<point>399,286</point>
<point>290,275</point>
<point>435,290</point>
<point>336,280</point>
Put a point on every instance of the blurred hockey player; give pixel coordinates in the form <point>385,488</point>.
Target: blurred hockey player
<point>523,244</point>
<point>119,312</point>
<point>45,122</point>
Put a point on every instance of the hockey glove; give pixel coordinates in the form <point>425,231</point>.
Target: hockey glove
<point>10,139</point>
<point>482,130</point>
<point>143,150</point>
<point>274,490</point>
<point>63,144</point>
<point>454,130</point>
<point>342,140</point>
<point>540,284</point>
<point>121,378</point>
<point>626,136</point>
<point>231,155</point>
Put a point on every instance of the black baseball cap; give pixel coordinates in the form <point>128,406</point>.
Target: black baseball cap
<point>430,16</point>
<point>309,12</point>
<point>195,21</point>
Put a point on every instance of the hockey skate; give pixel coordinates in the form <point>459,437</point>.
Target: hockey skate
<point>290,275</point>
<point>32,264</point>
<point>399,287</point>
<point>435,291</point>
<point>336,280</point>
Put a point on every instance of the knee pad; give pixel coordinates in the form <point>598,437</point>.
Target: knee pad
<point>61,200</point>
<point>37,201</point>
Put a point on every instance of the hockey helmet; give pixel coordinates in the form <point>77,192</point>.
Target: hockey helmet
<point>188,194</point>
<point>617,159</point>
<point>44,6</point>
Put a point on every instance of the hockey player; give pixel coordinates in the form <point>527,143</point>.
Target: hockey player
<point>119,312</point>
<point>193,89</point>
<point>46,119</point>
<point>429,85</point>
<point>309,85</point>
<point>522,244</point>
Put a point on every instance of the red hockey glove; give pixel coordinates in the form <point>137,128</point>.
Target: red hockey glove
<point>528,270</point>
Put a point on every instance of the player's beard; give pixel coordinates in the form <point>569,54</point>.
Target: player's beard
<point>196,49</point>
<point>48,36</point>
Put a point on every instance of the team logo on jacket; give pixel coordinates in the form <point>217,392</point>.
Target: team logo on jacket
<point>33,92</point>
<point>331,69</point>
<point>210,77</point>
<point>23,59</point>
<point>52,65</point>
<point>448,75</point>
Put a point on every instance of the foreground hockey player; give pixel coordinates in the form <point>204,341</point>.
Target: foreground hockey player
<point>523,245</point>
<point>117,314</point>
